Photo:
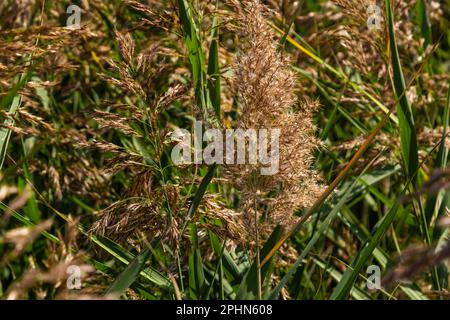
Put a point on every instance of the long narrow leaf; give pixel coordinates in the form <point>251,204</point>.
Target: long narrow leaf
<point>408,139</point>
<point>129,275</point>
<point>248,288</point>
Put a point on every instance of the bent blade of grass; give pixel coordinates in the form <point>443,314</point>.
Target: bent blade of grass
<point>129,275</point>
<point>5,132</point>
<point>13,100</point>
<point>104,268</point>
<point>126,257</point>
<point>26,221</point>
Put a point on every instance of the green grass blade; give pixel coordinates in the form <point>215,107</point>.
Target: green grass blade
<point>433,209</point>
<point>197,281</point>
<point>214,68</point>
<point>196,56</point>
<point>443,270</point>
<point>408,139</point>
<point>200,193</point>
<point>336,275</point>
<point>201,190</point>
<point>126,257</point>
<point>424,22</point>
<point>216,271</point>
<point>26,221</point>
<point>13,100</point>
<point>129,275</point>
<point>413,291</point>
<point>248,289</point>
<point>228,263</point>
<point>431,206</point>
<point>442,158</point>
<point>5,132</point>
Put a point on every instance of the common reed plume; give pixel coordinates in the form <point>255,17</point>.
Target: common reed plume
<point>268,100</point>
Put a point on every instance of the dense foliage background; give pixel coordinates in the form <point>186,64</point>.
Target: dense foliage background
<point>88,187</point>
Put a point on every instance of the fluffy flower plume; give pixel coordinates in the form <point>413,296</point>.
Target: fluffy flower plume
<point>268,100</point>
